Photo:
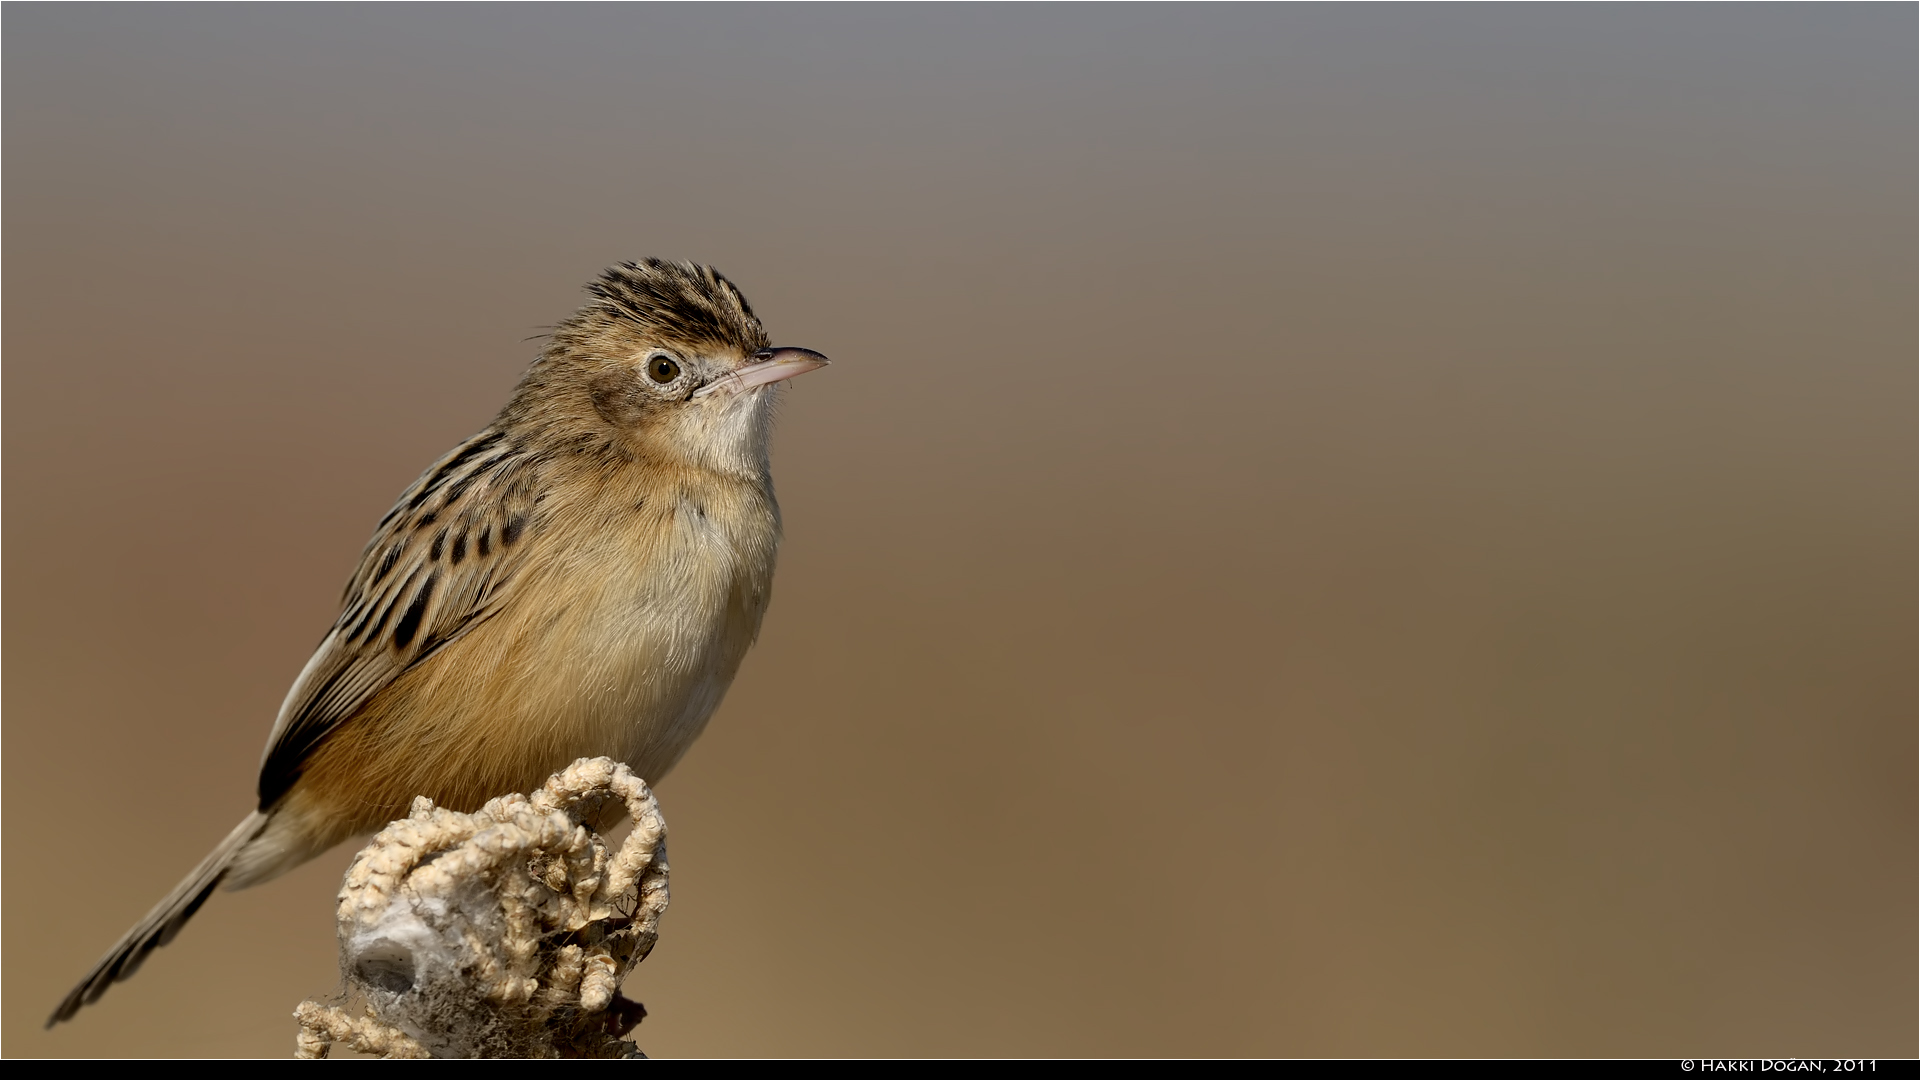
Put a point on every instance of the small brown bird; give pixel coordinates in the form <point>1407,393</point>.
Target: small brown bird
<point>581,578</point>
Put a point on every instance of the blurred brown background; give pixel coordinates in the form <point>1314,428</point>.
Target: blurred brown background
<point>1348,531</point>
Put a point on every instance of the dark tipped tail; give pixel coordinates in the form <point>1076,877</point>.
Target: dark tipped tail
<point>161,924</point>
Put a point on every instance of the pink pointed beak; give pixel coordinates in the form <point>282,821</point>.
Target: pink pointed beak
<point>769,366</point>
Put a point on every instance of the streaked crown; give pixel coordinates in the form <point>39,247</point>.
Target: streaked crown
<point>680,302</point>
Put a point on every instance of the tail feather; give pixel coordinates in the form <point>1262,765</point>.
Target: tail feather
<point>160,924</point>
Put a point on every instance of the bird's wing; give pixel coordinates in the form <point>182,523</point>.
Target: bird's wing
<point>436,568</point>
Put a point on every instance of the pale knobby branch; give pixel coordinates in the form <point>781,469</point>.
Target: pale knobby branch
<point>502,933</point>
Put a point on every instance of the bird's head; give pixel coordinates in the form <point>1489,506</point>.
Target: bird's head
<point>667,362</point>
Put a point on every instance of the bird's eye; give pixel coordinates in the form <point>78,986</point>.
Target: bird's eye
<point>662,369</point>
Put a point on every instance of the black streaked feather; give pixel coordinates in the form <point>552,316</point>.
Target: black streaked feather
<point>473,448</point>
<point>392,556</point>
<point>390,619</point>
<point>373,629</point>
<point>409,623</point>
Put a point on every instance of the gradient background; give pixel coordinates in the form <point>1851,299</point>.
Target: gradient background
<point>1331,531</point>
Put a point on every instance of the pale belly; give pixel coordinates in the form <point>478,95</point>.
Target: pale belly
<point>636,660</point>
<point>637,668</point>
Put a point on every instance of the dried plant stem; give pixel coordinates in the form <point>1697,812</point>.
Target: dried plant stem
<point>502,933</point>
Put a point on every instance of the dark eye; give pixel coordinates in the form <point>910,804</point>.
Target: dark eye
<point>662,369</point>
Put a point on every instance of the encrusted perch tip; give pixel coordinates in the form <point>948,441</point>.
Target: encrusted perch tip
<point>502,933</point>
